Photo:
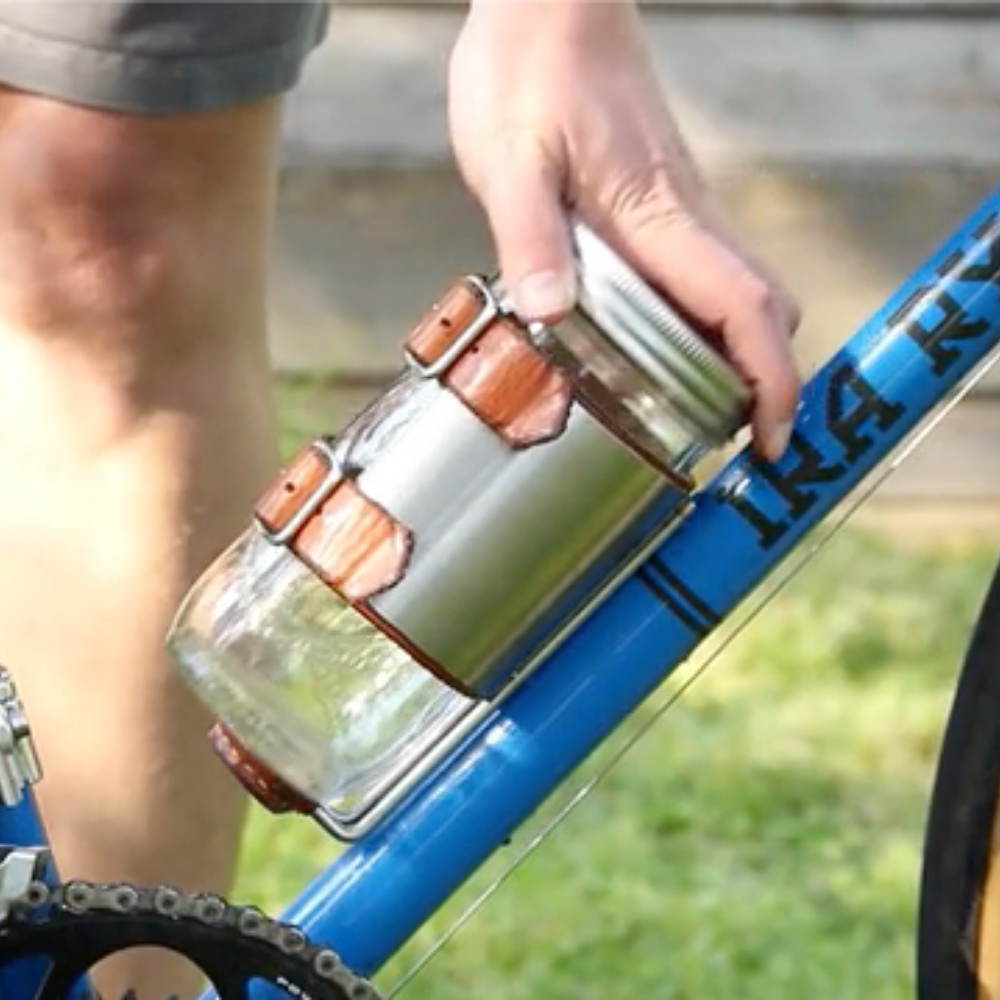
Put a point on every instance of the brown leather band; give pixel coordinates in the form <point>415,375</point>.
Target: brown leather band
<point>446,321</point>
<point>350,542</point>
<point>500,376</point>
<point>511,387</point>
<point>298,481</point>
<point>259,780</point>
<point>354,545</point>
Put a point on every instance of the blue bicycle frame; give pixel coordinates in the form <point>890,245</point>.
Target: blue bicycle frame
<point>939,327</point>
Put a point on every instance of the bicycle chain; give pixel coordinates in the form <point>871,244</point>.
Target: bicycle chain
<point>79,923</point>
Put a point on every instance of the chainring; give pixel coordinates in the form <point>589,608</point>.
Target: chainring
<point>76,925</point>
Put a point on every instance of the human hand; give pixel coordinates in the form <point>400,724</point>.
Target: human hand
<point>553,106</point>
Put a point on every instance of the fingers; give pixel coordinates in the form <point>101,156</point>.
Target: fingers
<point>523,201</point>
<point>718,287</point>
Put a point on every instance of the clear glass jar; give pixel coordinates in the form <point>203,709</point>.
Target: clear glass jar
<point>320,694</point>
<point>340,669</point>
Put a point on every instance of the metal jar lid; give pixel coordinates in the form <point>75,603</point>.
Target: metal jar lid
<point>706,392</point>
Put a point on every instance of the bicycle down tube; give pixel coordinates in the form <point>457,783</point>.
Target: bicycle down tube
<point>943,321</point>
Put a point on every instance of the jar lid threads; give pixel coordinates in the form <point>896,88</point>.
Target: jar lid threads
<point>705,389</point>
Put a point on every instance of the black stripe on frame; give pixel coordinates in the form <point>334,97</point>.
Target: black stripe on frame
<point>670,602</point>
<point>671,579</point>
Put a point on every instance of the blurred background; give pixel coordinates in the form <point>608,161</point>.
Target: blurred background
<point>765,840</point>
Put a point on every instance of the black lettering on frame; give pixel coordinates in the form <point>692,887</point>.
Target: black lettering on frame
<point>956,325</point>
<point>902,312</point>
<point>949,263</point>
<point>986,226</point>
<point>851,402</point>
<point>988,271</point>
<point>854,408</point>
<point>810,470</point>
<point>792,486</point>
<point>769,532</point>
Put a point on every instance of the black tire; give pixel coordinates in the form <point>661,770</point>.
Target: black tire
<point>961,820</point>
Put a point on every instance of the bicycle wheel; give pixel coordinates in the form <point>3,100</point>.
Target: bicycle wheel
<point>958,930</point>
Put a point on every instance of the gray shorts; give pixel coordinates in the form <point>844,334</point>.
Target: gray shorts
<point>156,56</point>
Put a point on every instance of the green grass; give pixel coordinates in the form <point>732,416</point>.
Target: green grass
<point>762,841</point>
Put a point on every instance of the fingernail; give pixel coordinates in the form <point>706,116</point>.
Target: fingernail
<point>545,295</point>
<point>777,440</point>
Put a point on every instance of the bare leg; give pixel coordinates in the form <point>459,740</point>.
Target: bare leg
<point>135,433</point>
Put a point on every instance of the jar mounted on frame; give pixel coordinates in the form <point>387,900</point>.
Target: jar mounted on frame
<point>402,577</point>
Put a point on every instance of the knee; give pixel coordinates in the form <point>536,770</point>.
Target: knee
<point>88,231</point>
<point>108,221</point>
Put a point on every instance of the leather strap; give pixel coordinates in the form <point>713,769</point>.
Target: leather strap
<point>296,486</point>
<point>496,372</point>
<point>259,780</point>
<point>508,383</point>
<point>351,543</point>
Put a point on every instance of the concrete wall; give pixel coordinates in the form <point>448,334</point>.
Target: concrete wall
<point>795,82</point>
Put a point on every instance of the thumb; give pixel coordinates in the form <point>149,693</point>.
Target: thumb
<point>522,197</point>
